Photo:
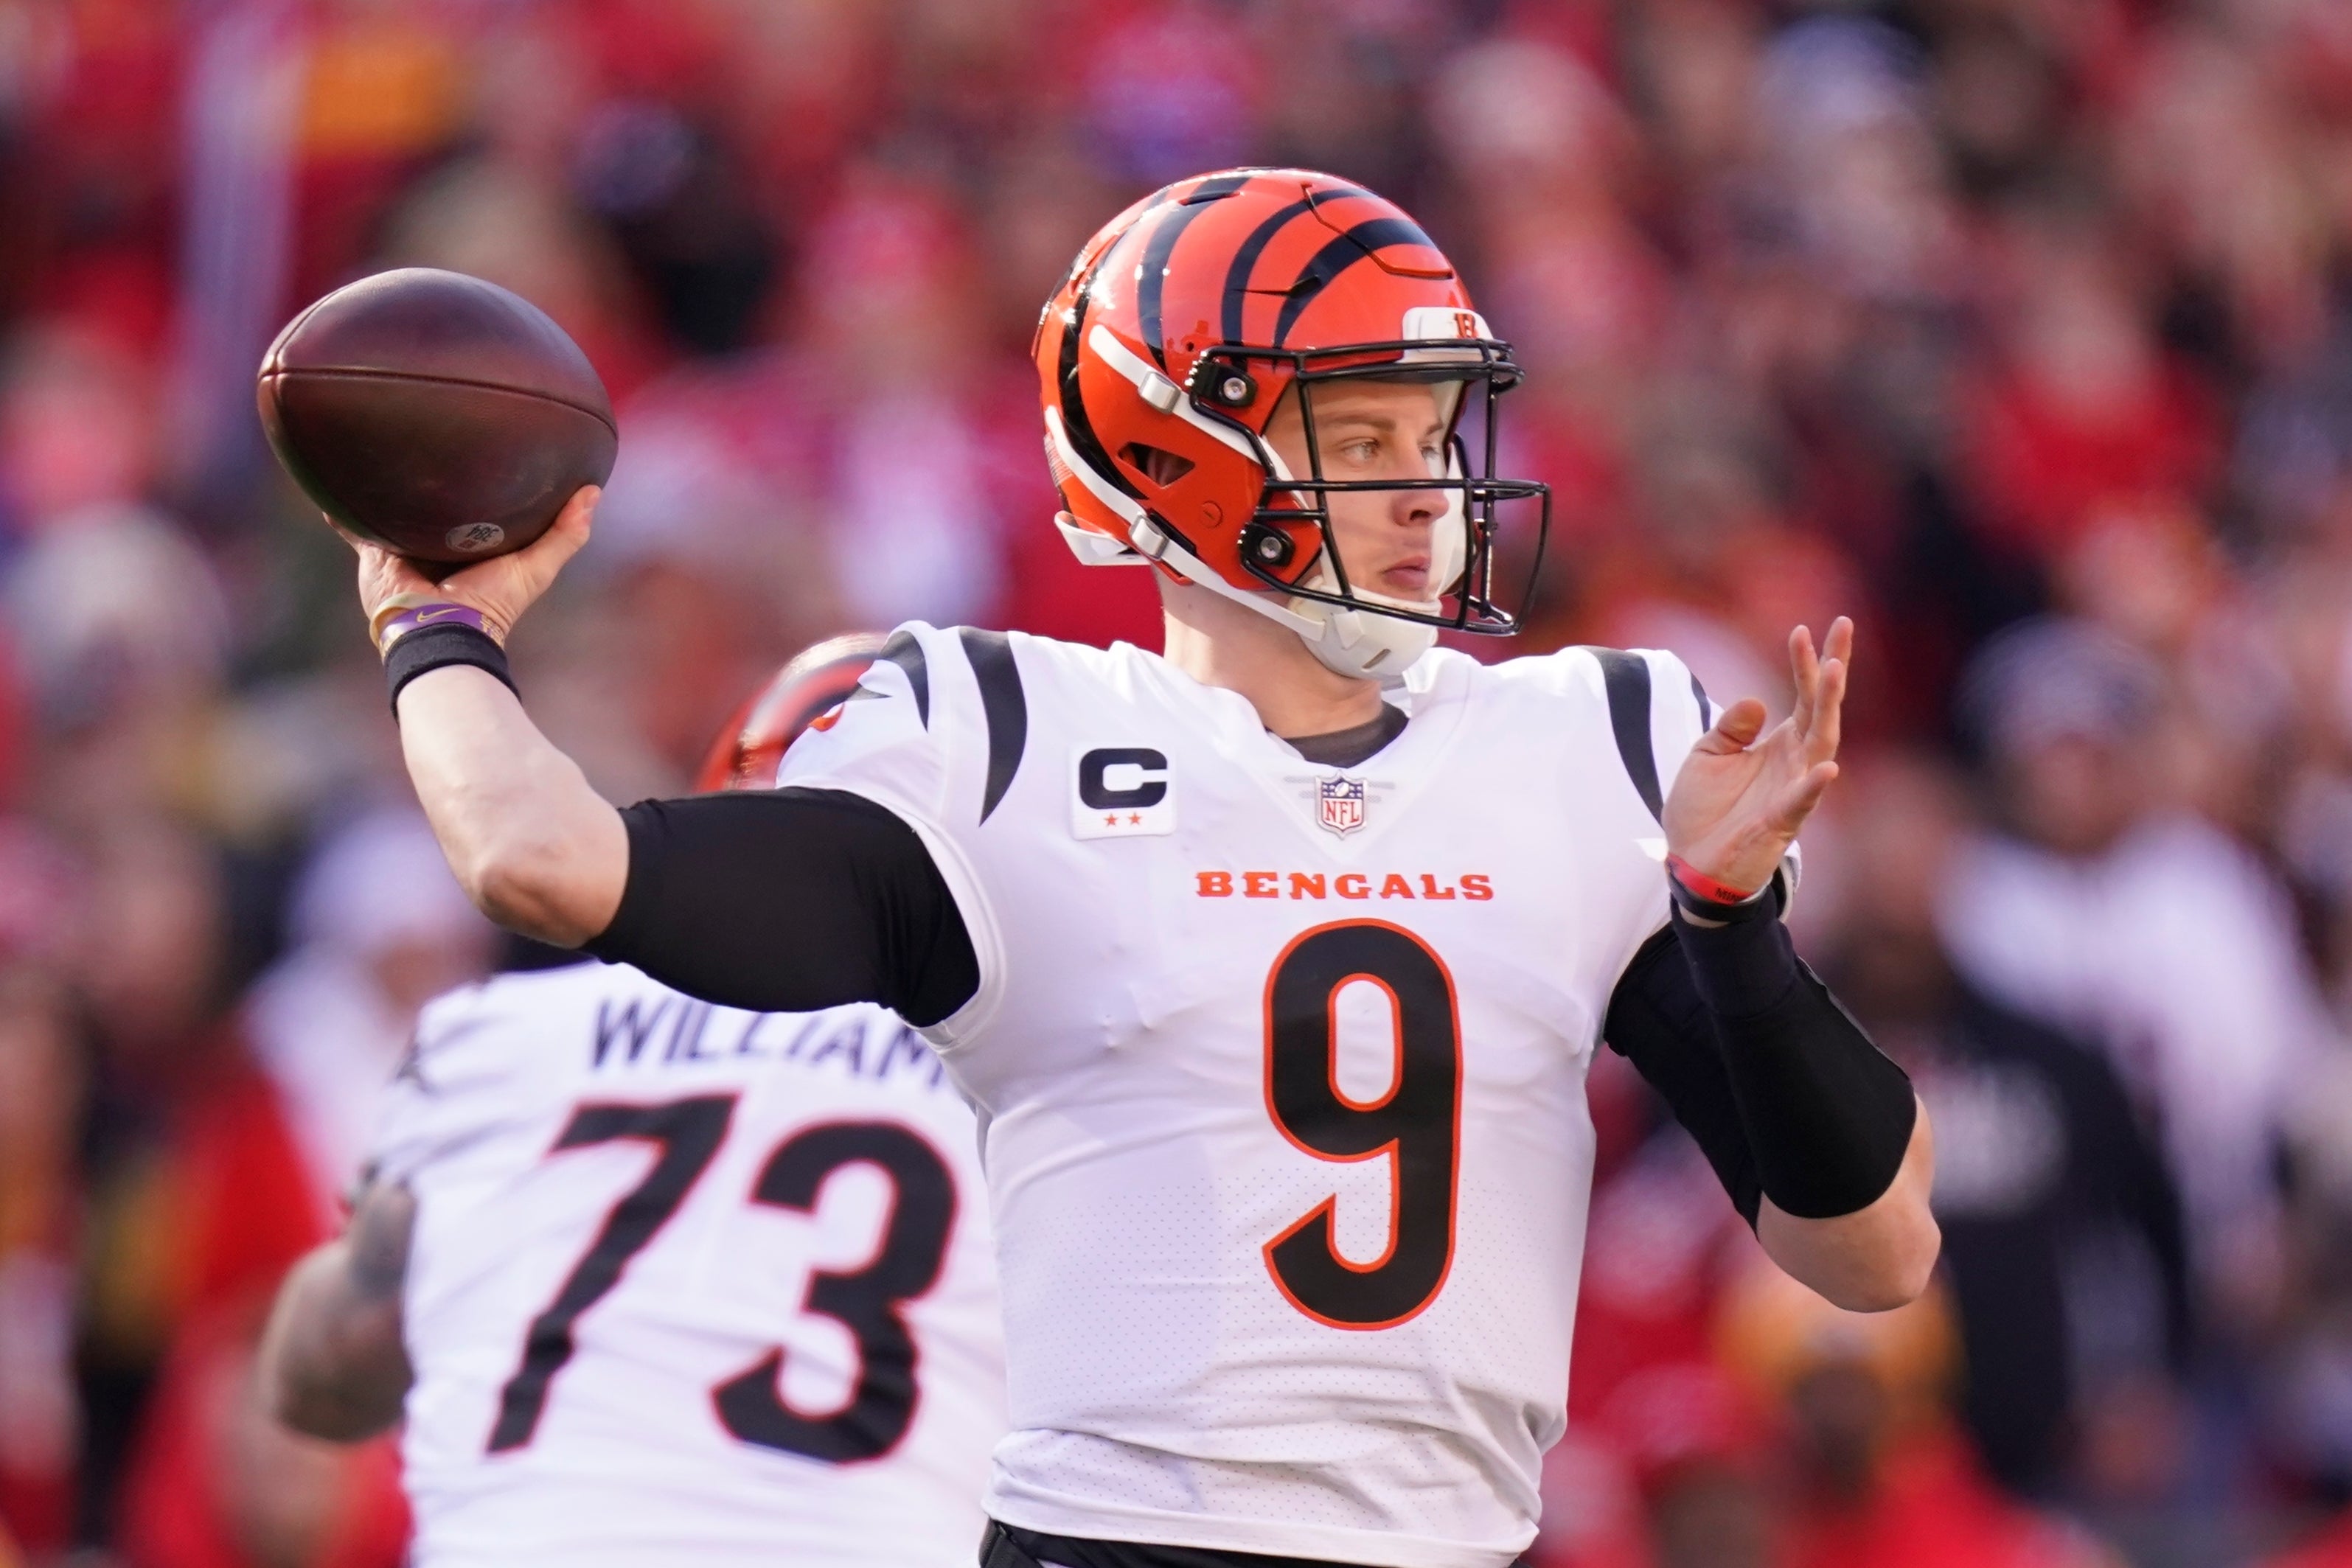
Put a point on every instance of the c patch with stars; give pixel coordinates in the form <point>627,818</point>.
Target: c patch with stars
<point>1120,791</point>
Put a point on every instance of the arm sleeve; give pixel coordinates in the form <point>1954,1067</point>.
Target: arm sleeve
<point>790,901</point>
<point>1658,1022</point>
<point>1828,1116</point>
<point>1781,1088</point>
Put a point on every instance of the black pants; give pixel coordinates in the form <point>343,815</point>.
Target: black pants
<point>1009,1546</point>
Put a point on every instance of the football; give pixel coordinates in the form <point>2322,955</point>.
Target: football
<point>436,414</point>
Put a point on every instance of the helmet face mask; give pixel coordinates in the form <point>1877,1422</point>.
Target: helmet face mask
<point>1290,501</point>
<point>1197,314</point>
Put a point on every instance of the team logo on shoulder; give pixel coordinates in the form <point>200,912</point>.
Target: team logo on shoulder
<point>1339,804</point>
<point>1120,792</point>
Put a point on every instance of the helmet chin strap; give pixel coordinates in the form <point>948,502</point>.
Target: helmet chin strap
<point>1360,643</point>
<point>1350,642</point>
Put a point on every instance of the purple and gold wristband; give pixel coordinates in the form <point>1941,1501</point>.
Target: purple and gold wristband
<point>417,636</point>
<point>408,618</point>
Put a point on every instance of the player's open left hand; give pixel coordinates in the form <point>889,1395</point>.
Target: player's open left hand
<point>501,588</point>
<point>1743,793</point>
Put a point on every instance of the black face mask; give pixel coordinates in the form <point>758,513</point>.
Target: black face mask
<point>1222,381</point>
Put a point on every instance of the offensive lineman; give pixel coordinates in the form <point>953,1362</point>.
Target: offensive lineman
<point>677,1283</point>
<point>1272,965</point>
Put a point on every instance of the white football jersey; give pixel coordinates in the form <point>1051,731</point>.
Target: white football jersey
<point>689,1284</point>
<point>1280,1070</point>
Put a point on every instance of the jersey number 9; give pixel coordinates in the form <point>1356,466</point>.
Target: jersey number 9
<point>1416,1123</point>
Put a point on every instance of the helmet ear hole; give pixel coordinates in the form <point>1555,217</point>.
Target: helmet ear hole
<point>1157,463</point>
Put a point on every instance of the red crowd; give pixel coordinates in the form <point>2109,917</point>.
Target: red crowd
<point>2019,329</point>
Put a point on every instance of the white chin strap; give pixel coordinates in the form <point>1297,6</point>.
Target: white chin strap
<point>1361,642</point>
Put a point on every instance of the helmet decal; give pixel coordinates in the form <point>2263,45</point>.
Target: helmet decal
<point>1152,275</point>
<point>1244,262</point>
<point>1078,428</point>
<point>1351,246</point>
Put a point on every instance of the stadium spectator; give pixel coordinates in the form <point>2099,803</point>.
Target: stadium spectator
<point>1875,1471</point>
<point>2045,1176</point>
<point>2104,909</point>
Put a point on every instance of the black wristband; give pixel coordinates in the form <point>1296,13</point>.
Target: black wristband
<point>431,647</point>
<point>1765,905</point>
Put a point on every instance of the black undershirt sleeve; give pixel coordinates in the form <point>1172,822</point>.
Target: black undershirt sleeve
<point>1781,1088</point>
<point>788,900</point>
<point>1658,1021</point>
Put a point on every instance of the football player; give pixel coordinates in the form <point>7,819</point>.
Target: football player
<point>1273,964</point>
<point>656,1281</point>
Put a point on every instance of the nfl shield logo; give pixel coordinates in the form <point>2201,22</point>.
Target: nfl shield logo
<point>1341,801</point>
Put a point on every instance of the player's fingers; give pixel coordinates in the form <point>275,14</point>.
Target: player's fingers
<point>1804,794</point>
<point>1735,729</point>
<point>579,511</point>
<point>541,559</point>
<point>507,585</point>
<point>1829,713</point>
<point>1805,671</point>
<point>1839,644</point>
<point>571,529</point>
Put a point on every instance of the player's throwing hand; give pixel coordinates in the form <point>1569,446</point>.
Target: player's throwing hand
<point>500,588</point>
<point>1739,799</point>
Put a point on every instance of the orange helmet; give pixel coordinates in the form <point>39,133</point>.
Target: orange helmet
<point>1181,327</point>
<point>814,683</point>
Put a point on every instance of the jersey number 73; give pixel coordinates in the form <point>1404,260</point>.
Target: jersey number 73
<point>867,1301</point>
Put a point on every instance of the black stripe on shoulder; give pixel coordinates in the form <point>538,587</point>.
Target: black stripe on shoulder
<point>1002,705</point>
<point>1626,678</point>
<point>903,651</point>
<point>1706,709</point>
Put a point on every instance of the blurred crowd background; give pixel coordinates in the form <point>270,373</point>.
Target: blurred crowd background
<point>2020,329</point>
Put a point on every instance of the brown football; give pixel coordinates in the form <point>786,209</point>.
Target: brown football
<point>434,413</point>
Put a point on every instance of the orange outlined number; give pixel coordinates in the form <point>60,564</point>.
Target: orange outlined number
<point>1416,1125</point>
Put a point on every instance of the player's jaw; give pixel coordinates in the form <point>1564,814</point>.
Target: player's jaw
<point>1377,430</point>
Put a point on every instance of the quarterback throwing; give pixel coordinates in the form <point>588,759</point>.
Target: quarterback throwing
<point>1272,964</point>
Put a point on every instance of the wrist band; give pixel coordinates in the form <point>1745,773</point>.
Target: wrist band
<point>406,612</point>
<point>438,642</point>
<point>1696,893</point>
